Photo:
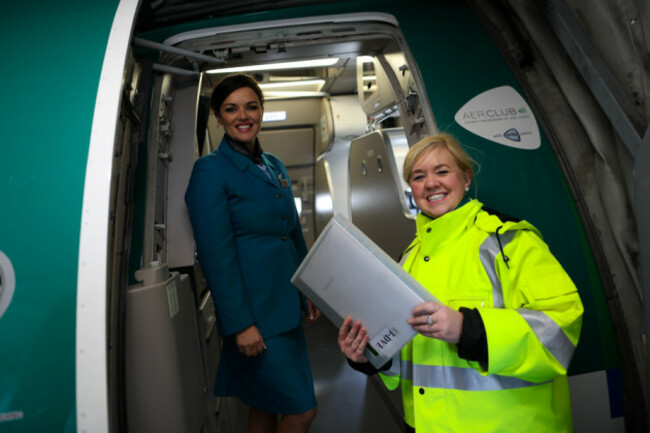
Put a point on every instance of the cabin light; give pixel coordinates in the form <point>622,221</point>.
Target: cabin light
<point>319,83</point>
<point>324,203</point>
<point>290,94</point>
<point>274,66</point>
<point>274,116</point>
<point>366,59</point>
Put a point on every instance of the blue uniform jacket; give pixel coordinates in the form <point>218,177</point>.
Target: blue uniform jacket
<point>248,240</point>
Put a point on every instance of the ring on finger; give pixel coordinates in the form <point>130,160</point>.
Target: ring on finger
<point>429,320</point>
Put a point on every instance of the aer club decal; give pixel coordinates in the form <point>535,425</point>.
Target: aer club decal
<point>503,116</point>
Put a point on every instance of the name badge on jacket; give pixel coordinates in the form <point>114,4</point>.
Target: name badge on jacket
<point>284,183</point>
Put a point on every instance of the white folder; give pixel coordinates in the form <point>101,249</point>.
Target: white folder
<point>346,274</point>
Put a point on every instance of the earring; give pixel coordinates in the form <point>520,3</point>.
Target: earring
<point>466,188</point>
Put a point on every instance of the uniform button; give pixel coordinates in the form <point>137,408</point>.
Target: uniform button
<point>429,230</point>
<point>278,195</point>
<point>421,391</point>
<point>284,217</point>
<point>284,238</point>
<point>426,258</point>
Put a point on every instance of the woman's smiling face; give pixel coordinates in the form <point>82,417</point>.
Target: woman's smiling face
<point>241,115</point>
<point>437,182</point>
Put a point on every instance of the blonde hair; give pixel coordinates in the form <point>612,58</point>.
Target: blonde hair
<point>431,142</point>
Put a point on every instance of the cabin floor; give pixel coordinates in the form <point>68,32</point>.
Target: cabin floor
<point>348,401</point>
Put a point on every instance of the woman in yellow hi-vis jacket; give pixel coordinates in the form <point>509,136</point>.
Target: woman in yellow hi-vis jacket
<point>493,355</point>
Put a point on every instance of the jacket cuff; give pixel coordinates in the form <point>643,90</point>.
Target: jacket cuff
<point>367,368</point>
<point>473,340</point>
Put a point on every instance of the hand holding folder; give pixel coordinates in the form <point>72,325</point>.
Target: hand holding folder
<point>353,339</point>
<point>346,274</point>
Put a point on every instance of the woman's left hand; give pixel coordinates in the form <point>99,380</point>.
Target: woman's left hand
<point>353,339</point>
<point>437,321</point>
<point>313,313</point>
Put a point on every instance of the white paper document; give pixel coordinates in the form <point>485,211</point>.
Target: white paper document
<point>346,274</point>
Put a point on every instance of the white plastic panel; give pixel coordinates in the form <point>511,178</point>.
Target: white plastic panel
<point>164,367</point>
<point>179,242</point>
<point>7,282</point>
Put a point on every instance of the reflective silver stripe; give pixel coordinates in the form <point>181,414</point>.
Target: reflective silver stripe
<point>406,369</point>
<point>488,251</point>
<point>546,330</point>
<point>550,334</point>
<point>457,378</point>
<point>405,256</point>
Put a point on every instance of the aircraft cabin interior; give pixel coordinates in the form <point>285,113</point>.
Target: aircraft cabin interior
<point>340,111</point>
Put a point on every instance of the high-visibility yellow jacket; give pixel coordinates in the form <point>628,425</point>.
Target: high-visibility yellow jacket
<point>532,315</point>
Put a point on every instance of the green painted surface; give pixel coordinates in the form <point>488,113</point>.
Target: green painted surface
<point>52,55</point>
<point>458,60</point>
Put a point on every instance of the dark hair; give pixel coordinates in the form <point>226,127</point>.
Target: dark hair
<point>228,85</point>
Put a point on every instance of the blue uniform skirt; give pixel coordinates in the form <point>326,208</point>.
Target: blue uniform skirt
<point>279,380</point>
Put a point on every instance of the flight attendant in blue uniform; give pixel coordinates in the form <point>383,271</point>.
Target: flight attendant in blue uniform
<point>249,243</point>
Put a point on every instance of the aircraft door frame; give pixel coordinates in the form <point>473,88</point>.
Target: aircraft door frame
<point>91,330</point>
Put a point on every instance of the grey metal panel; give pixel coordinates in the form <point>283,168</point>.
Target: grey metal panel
<point>208,331</point>
<point>292,146</point>
<point>331,184</point>
<point>295,147</point>
<point>617,105</point>
<point>349,119</point>
<point>324,202</point>
<point>153,249</point>
<point>331,172</point>
<point>596,416</point>
<point>377,200</point>
<point>207,324</point>
<point>302,180</point>
<point>642,192</point>
<point>325,127</point>
<point>400,146</point>
<point>165,385</point>
<point>299,112</point>
<point>179,243</point>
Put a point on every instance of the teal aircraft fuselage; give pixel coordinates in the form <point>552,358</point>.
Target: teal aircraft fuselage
<point>63,68</point>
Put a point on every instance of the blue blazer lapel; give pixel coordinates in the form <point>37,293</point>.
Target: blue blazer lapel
<point>243,163</point>
<point>274,171</point>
